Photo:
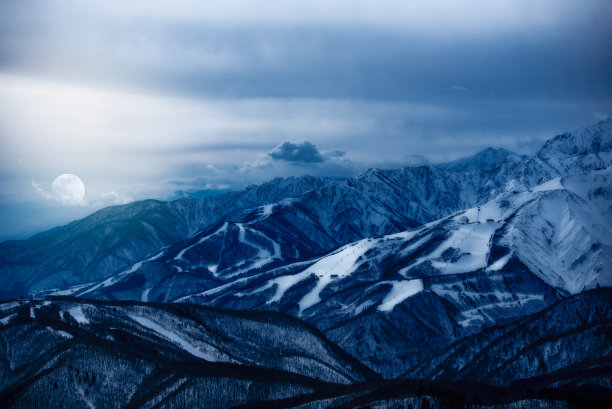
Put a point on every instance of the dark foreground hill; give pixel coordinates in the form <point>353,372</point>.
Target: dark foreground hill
<point>71,353</point>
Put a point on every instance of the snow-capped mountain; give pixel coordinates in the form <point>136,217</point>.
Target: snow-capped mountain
<point>591,140</point>
<point>450,278</point>
<point>399,268</point>
<point>115,238</point>
<point>487,159</point>
<point>318,214</point>
<point>447,279</point>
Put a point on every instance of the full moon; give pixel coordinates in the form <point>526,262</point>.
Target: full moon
<point>69,189</point>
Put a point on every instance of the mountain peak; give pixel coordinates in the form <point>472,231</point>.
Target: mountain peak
<point>486,159</point>
<point>592,139</point>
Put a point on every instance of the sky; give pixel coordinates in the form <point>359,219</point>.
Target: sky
<point>161,99</point>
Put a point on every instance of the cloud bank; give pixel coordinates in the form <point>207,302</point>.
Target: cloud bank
<point>135,96</point>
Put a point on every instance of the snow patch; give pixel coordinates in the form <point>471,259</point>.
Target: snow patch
<point>263,256</point>
<point>71,290</point>
<point>61,333</point>
<point>78,315</point>
<point>400,291</point>
<point>145,295</point>
<point>8,305</point>
<point>480,314</point>
<point>554,184</point>
<point>7,319</point>
<point>267,210</point>
<point>336,266</point>
<point>499,264</point>
<point>472,241</point>
<point>192,349</point>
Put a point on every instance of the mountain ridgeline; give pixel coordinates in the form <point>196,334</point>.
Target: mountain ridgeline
<point>316,215</point>
<point>316,292</point>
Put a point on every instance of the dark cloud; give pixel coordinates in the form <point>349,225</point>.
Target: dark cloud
<point>519,50</point>
<point>304,151</point>
<point>192,96</point>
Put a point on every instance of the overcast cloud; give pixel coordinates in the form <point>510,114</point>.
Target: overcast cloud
<point>149,98</point>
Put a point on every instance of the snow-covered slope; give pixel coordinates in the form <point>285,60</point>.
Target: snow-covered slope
<point>113,239</point>
<point>78,354</point>
<point>489,264</point>
<point>280,222</point>
<point>565,343</point>
<point>71,353</point>
<point>579,142</point>
<point>392,265</point>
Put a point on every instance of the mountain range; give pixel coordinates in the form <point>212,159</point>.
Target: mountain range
<point>485,269</point>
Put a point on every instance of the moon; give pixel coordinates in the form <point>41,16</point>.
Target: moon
<point>69,189</point>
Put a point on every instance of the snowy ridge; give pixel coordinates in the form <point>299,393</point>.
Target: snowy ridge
<point>180,255</point>
<point>400,291</point>
<point>110,281</point>
<point>583,141</point>
<point>175,338</point>
<point>506,258</point>
<point>392,265</point>
<point>115,359</point>
<point>305,217</point>
<point>487,159</point>
<point>566,237</point>
<point>336,266</point>
<point>467,247</point>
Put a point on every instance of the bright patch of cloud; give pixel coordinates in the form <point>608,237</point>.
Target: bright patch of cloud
<point>41,191</point>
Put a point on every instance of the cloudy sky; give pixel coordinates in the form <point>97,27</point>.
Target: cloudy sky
<point>158,99</point>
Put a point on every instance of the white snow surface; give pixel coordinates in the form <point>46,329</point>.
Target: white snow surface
<point>480,313</point>
<point>175,338</point>
<point>400,291</point>
<point>8,305</point>
<point>565,236</point>
<point>61,333</point>
<point>561,230</point>
<point>267,209</point>
<point>500,263</point>
<point>333,267</point>
<point>78,315</point>
<point>72,290</point>
<point>554,184</point>
<point>145,295</point>
<point>7,319</point>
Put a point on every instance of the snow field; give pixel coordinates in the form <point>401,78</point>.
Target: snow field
<point>400,291</point>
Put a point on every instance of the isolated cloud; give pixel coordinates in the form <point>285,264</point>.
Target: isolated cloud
<point>114,198</point>
<point>304,151</point>
<point>41,191</point>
